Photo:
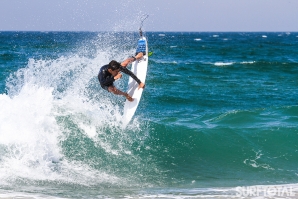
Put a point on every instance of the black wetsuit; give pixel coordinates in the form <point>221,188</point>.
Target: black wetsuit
<point>106,79</point>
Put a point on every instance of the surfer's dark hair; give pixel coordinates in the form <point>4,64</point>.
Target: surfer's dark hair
<point>114,65</point>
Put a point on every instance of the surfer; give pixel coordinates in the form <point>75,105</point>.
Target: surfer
<point>112,71</point>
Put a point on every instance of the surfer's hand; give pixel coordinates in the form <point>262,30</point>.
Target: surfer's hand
<point>128,97</point>
<point>141,85</point>
<point>132,59</point>
<point>118,76</point>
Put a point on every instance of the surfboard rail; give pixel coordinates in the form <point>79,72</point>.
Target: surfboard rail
<point>139,68</point>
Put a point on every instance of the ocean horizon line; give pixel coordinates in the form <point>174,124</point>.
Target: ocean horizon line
<point>160,31</point>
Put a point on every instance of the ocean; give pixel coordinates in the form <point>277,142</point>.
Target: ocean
<point>218,117</point>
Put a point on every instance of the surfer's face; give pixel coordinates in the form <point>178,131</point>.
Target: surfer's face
<point>114,72</point>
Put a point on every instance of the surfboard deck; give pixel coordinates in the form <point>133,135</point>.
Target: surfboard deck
<point>139,68</point>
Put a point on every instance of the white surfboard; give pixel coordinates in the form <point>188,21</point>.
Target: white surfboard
<point>139,68</point>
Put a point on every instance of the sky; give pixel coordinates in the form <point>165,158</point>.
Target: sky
<point>164,15</point>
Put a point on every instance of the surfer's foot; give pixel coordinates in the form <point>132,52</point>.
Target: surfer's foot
<point>139,55</point>
<point>128,97</point>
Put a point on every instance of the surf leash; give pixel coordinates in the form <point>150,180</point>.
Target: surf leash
<point>142,21</point>
<point>141,32</point>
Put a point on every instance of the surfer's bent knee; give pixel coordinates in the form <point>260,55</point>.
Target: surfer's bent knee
<point>112,89</point>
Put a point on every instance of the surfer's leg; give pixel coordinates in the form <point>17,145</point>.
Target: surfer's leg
<point>114,90</point>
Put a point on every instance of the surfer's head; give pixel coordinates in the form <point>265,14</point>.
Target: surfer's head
<point>114,67</point>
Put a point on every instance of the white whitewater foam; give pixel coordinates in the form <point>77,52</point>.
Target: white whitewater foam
<point>30,130</point>
<point>223,63</point>
<point>248,62</point>
<point>239,192</point>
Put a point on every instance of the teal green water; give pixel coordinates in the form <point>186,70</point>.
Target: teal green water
<point>219,111</point>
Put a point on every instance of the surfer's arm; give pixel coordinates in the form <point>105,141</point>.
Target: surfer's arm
<point>132,59</point>
<point>127,61</point>
<point>128,72</point>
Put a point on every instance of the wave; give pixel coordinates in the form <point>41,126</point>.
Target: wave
<point>247,62</point>
<point>273,117</point>
<point>59,126</point>
<point>245,143</point>
<point>223,64</point>
<point>290,63</point>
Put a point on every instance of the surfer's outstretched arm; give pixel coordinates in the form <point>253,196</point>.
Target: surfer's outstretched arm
<point>127,61</point>
<point>128,72</point>
<point>132,59</point>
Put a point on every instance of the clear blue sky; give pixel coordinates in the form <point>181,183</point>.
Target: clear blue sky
<point>165,15</point>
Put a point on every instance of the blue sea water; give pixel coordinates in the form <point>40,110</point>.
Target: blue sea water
<point>220,110</point>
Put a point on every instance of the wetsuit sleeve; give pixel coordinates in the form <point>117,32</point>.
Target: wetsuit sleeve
<point>128,72</point>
